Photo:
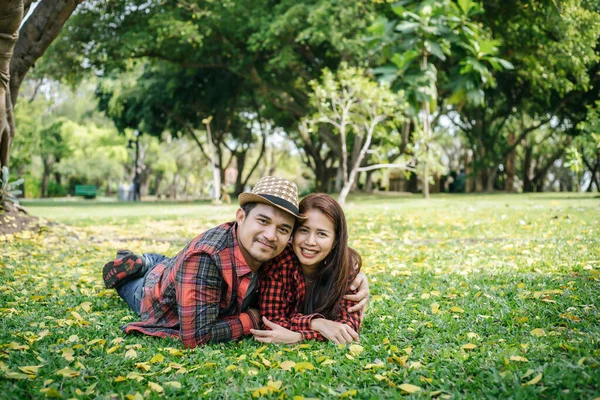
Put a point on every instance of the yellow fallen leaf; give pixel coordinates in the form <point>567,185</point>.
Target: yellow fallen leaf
<point>328,362</point>
<point>528,373</point>
<point>408,350</point>
<point>16,375</point>
<point>457,309</point>
<point>399,360</point>
<point>157,358</point>
<point>120,378</point>
<point>94,341</point>
<point>156,387</point>
<point>143,365</point>
<point>374,366</point>
<point>518,358</point>
<point>112,349</point>
<point>131,353</point>
<point>538,332</point>
<point>356,349</point>
<point>31,369</point>
<point>231,367</point>
<point>275,384</point>
<point>348,393</point>
<point>302,366</point>
<point>173,384</point>
<point>68,353</point>
<point>407,387</point>
<point>287,365</point>
<point>534,381</point>
<point>425,296</point>
<point>52,393</point>
<point>67,373</point>
<point>435,308</point>
<point>173,352</point>
<point>135,376</point>
<point>469,346</point>
<point>17,346</point>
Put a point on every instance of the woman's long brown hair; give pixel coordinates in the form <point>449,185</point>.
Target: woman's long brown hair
<point>340,266</point>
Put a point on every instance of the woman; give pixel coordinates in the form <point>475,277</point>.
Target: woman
<point>303,297</point>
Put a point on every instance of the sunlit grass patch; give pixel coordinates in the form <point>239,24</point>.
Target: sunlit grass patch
<point>476,297</point>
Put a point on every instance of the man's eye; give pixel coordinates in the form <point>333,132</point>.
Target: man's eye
<point>284,231</point>
<point>262,220</point>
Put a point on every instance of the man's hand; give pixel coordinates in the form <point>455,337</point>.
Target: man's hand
<point>336,332</point>
<point>362,296</point>
<point>278,334</point>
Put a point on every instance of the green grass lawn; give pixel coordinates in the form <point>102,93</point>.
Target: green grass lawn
<point>491,296</point>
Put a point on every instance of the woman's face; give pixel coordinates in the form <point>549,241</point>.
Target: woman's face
<point>313,239</point>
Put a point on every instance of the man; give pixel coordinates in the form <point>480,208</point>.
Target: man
<point>206,293</point>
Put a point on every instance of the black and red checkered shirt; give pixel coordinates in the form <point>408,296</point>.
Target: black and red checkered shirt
<point>282,293</point>
<point>197,295</point>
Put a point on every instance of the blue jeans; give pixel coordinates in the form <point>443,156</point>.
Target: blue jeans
<point>133,290</point>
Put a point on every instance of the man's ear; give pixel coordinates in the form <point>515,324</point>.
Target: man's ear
<point>240,216</point>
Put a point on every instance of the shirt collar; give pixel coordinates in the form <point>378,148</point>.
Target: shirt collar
<point>239,262</point>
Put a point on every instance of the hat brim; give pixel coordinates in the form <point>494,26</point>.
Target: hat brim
<point>274,201</point>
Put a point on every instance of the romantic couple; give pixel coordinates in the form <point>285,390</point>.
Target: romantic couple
<point>219,286</point>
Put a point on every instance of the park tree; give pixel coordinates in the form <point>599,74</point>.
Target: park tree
<point>553,48</point>
<point>21,45</point>
<point>356,107</point>
<point>271,49</point>
<point>429,39</point>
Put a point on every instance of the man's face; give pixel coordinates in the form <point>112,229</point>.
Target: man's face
<point>263,233</point>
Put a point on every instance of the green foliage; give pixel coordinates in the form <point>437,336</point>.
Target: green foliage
<point>515,277</point>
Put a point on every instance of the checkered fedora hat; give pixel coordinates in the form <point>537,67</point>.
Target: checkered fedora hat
<point>275,191</point>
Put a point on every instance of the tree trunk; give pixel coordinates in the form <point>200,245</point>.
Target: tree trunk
<point>45,176</point>
<point>19,51</point>
<point>527,161</point>
<point>369,182</point>
<point>426,136</point>
<point>11,14</point>
<point>510,165</point>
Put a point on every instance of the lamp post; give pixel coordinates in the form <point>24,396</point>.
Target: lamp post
<point>135,195</point>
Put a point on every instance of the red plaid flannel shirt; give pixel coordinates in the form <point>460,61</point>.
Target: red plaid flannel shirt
<point>282,292</point>
<point>197,295</point>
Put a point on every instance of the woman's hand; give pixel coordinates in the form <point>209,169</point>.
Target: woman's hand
<point>278,334</point>
<point>336,332</point>
<point>362,296</point>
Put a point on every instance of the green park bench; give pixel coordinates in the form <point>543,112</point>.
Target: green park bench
<point>87,191</point>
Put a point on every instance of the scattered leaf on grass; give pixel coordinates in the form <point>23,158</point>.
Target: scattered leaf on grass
<point>348,393</point>
<point>302,366</point>
<point>173,384</point>
<point>356,349</point>
<point>457,309</point>
<point>518,358</point>
<point>51,392</point>
<point>16,375</point>
<point>469,346</point>
<point>538,332</point>
<point>534,381</point>
<point>407,387</point>
<point>131,353</point>
<point>157,358</point>
<point>156,387</point>
<point>31,369</point>
<point>143,365</point>
<point>287,365</point>
<point>67,373</point>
